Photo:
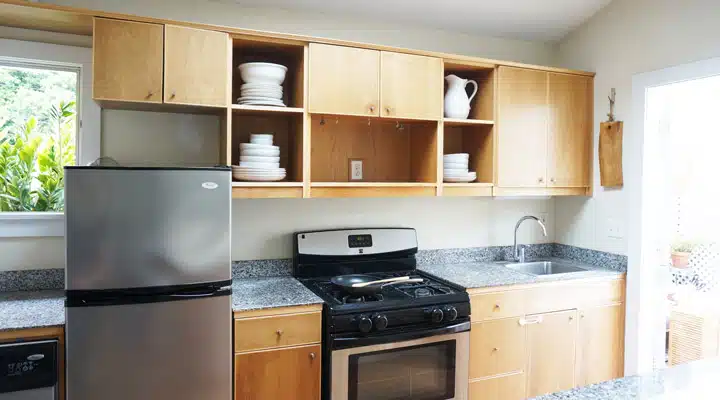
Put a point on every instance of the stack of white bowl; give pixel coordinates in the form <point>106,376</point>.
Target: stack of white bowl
<point>262,84</point>
<point>259,160</point>
<point>455,168</point>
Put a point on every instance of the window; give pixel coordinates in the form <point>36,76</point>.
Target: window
<point>47,120</point>
<point>38,132</point>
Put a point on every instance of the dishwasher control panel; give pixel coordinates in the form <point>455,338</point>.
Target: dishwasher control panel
<point>28,366</point>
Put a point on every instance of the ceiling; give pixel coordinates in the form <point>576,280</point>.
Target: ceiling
<point>542,20</point>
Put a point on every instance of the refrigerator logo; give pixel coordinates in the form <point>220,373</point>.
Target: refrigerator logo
<point>210,185</point>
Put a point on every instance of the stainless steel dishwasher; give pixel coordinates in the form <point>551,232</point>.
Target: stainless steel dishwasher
<point>29,371</point>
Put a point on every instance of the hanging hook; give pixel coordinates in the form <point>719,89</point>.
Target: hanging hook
<point>399,126</point>
<point>337,120</point>
<point>369,120</point>
<point>322,120</point>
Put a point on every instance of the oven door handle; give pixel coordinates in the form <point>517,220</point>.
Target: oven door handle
<point>345,343</point>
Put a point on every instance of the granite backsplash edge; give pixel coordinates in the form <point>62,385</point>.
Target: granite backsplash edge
<point>49,279</point>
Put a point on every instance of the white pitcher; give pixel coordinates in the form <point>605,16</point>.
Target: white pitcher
<point>457,102</point>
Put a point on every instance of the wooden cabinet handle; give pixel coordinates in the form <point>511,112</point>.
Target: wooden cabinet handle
<point>495,349</point>
<point>387,110</point>
<point>552,180</point>
<point>172,94</point>
<point>497,306</point>
<point>149,95</point>
<point>372,108</point>
<point>279,332</point>
<point>541,180</point>
<point>312,356</point>
<point>571,318</point>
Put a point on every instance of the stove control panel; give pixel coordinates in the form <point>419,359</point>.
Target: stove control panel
<point>378,321</point>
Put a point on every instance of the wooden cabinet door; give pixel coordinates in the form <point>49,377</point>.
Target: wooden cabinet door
<point>196,67</point>
<point>344,80</point>
<point>127,61</point>
<point>497,347</point>
<point>292,373</point>
<point>551,352</point>
<point>411,86</point>
<point>522,127</point>
<point>600,352</point>
<point>506,387</point>
<point>570,130</point>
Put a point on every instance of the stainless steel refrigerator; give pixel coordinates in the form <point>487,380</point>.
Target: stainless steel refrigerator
<point>148,284</point>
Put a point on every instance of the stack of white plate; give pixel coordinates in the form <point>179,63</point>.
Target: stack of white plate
<point>455,168</point>
<point>262,84</point>
<point>259,160</point>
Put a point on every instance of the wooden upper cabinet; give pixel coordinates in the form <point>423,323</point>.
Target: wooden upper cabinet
<point>600,352</point>
<point>127,61</point>
<point>570,130</point>
<point>196,67</point>
<point>551,352</point>
<point>411,86</point>
<point>344,80</point>
<point>522,124</point>
<point>291,373</point>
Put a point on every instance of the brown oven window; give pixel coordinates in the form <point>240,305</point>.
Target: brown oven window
<point>425,372</point>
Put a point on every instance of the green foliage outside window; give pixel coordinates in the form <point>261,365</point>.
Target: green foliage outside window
<point>37,137</point>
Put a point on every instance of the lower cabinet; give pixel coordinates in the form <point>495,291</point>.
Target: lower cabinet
<point>551,341</point>
<point>292,373</point>
<point>278,353</point>
<point>518,352</point>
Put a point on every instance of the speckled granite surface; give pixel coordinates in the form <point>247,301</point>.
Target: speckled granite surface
<point>20,310</point>
<point>591,257</point>
<point>486,274</point>
<point>34,279</point>
<point>693,381</point>
<point>257,293</point>
<point>479,254</point>
<point>261,268</point>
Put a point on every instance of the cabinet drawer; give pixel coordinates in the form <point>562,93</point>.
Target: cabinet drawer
<point>497,347</point>
<point>497,305</point>
<point>575,295</point>
<point>277,331</point>
<point>509,387</point>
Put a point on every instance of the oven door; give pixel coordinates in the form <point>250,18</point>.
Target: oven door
<point>427,368</point>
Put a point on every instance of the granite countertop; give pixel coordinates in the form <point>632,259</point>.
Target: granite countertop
<point>35,309</point>
<point>695,380</point>
<point>270,292</point>
<point>489,274</point>
<point>20,310</point>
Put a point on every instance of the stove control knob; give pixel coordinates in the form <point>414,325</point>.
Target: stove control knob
<point>364,324</point>
<point>436,315</point>
<point>451,313</point>
<point>380,322</point>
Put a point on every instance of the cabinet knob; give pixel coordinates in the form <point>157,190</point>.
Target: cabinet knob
<point>552,180</point>
<point>571,318</point>
<point>172,94</point>
<point>582,315</point>
<point>495,349</point>
<point>372,108</point>
<point>541,180</point>
<point>149,95</point>
<point>497,306</point>
<point>312,356</point>
<point>387,110</point>
<point>279,332</point>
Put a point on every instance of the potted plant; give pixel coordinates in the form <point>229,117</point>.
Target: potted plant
<point>680,253</point>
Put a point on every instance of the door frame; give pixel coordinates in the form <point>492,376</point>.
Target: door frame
<point>640,320</point>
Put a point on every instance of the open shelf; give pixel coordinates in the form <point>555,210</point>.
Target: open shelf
<point>478,141</point>
<point>264,190</point>
<point>391,151</point>
<point>482,107</point>
<point>288,53</point>
<point>259,110</point>
<point>472,189</point>
<point>466,122</point>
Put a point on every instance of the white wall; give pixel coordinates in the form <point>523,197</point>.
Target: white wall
<point>261,228</point>
<point>626,38</point>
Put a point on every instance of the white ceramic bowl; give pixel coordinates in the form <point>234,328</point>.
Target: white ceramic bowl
<point>253,146</point>
<point>454,165</point>
<point>457,157</point>
<point>261,138</point>
<point>259,159</point>
<point>455,172</point>
<point>259,164</point>
<point>264,151</point>
<point>262,72</point>
<point>260,86</point>
<point>468,177</point>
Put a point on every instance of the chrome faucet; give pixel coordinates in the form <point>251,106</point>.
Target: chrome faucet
<point>519,256</point>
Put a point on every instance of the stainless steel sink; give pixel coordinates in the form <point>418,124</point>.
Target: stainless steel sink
<point>550,267</point>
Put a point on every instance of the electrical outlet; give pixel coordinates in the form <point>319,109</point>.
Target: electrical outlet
<point>614,229</point>
<point>356,170</point>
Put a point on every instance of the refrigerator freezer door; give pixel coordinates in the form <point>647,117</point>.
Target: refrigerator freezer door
<point>129,228</point>
<point>179,350</point>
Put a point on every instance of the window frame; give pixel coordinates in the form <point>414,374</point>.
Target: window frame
<point>45,55</point>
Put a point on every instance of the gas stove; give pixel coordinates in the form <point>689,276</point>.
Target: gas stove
<point>429,315</point>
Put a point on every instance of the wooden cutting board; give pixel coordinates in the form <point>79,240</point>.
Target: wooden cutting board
<point>610,152</point>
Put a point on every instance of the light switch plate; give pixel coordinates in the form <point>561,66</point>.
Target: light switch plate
<point>356,170</point>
